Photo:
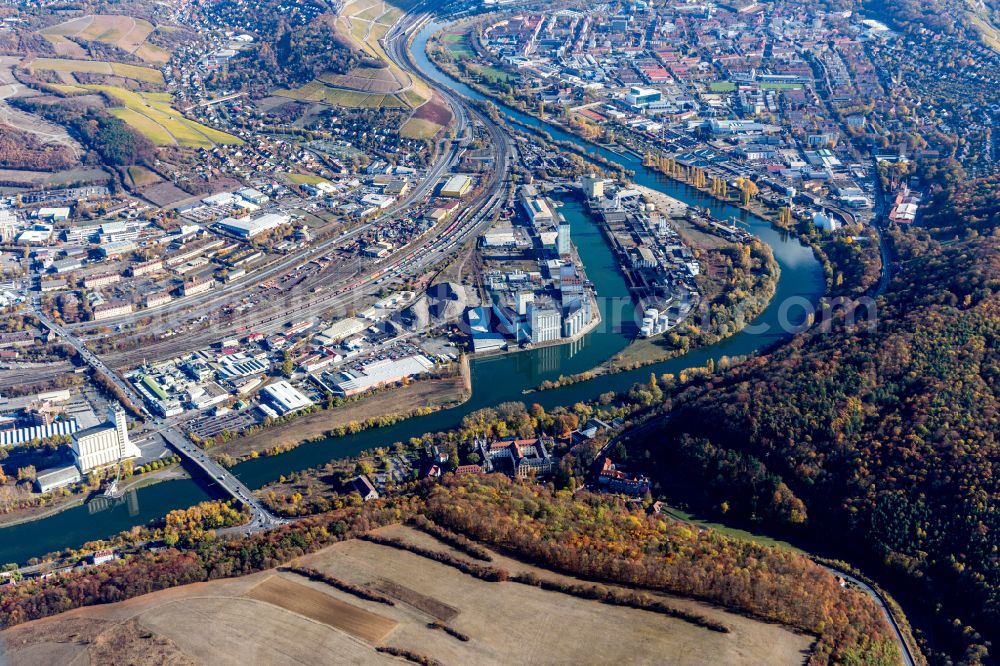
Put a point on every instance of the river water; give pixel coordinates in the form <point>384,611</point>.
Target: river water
<point>494,380</point>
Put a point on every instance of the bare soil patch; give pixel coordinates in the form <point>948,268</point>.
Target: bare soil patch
<point>422,602</point>
<point>83,640</point>
<point>435,111</point>
<point>164,194</point>
<point>210,623</point>
<point>322,607</point>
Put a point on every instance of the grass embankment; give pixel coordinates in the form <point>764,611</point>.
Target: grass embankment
<point>406,400</point>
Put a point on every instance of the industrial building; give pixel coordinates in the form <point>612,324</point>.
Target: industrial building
<point>456,186</point>
<point>23,435</point>
<point>563,239</point>
<point>546,323</point>
<point>340,330</point>
<point>59,477</point>
<point>249,228</point>
<point>593,186</point>
<point>104,444</point>
<point>537,209</point>
<point>285,398</point>
<point>381,373</point>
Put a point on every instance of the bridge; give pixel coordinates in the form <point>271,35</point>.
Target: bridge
<point>89,357</point>
<point>260,517</point>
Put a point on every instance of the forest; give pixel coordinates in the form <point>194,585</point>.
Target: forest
<point>296,46</point>
<point>23,150</point>
<point>590,536</point>
<point>597,538</point>
<point>110,137</point>
<point>885,437</point>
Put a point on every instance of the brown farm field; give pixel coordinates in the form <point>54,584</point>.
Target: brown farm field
<point>382,80</point>
<point>550,627</point>
<point>69,66</point>
<point>279,617</point>
<point>206,623</point>
<point>321,607</point>
<point>435,111</point>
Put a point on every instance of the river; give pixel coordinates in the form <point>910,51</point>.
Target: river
<point>495,379</point>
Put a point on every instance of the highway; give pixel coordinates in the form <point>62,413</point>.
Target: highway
<point>92,359</point>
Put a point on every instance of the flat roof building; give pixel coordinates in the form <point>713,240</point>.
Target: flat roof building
<point>380,373</point>
<point>54,479</point>
<point>537,208</point>
<point>456,186</point>
<point>285,398</point>
<point>248,228</point>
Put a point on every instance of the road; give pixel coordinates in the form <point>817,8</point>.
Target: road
<point>412,261</point>
<point>91,358</point>
<point>260,517</point>
<point>904,649</point>
<point>441,166</point>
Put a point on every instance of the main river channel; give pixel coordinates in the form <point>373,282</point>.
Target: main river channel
<point>494,380</point>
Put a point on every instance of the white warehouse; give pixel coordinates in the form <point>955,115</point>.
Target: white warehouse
<point>285,398</point>
<point>248,228</point>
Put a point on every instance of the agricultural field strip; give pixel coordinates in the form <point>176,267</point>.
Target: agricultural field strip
<point>321,607</point>
<point>146,126</point>
<point>137,72</point>
<point>156,109</point>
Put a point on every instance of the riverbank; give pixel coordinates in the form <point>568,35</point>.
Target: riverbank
<point>397,404</point>
<point>31,514</point>
<point>746,270</point>
<point>496,380</point>
<point>836,262</point>
<point>754,207</point>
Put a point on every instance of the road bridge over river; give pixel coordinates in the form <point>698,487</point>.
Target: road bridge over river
<point>261,517</point>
